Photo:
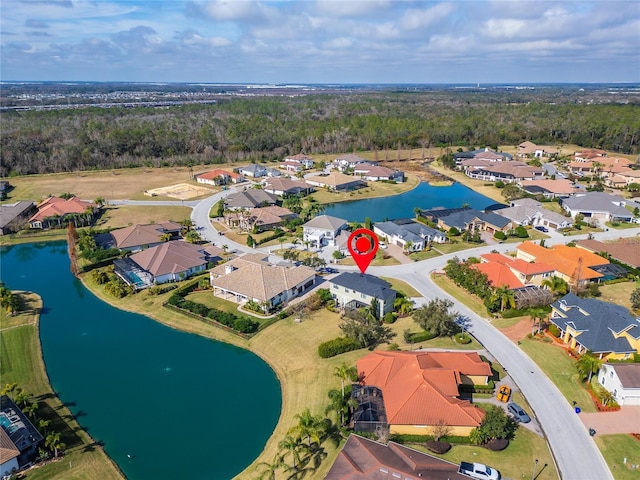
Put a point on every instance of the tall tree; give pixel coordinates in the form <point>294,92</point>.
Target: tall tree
<point>437,317</point>
<point>587,365</point>
<point>345,372</point>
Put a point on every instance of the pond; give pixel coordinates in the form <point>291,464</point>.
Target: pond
<point>166,404</point>
<point>423,196</point>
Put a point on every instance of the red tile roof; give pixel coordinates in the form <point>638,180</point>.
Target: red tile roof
<point>499,274</point>
<point>421,388</point>
<point>519,265</point>
<point>570,261</point>
<point>56,206</point>
<point>217,173</point>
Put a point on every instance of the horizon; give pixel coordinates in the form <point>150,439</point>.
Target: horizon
<point>323,42</point>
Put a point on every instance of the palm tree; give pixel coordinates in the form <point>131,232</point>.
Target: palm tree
<point>505,296</point>
<point>345,372</point>
<point>557,285</point>
<point>53,443</point>
<point>165,237</point>
<point>403,306</point>
<point>587,365</point>
<point>309,427</point>
<point>537,314</point>
<point>292,445</point>
<point>270,468</point>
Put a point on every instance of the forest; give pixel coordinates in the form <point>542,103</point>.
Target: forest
<point>268,128</point>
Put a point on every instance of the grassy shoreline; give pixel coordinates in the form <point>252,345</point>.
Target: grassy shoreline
<point>23,363</point>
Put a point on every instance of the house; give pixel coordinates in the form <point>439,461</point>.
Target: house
<point>19,439</point>
<point>376,173</point>
<point>219,177</point>
<point>306,161</point>
<point>421,389</point>
<point>407,232</point>
<point>353,290</point>
<point>57,212</point>
<point>253,170</point>
<point>365,459</point>
<point>589,154</point>
<point>139,237</point>
<point>530,149</point>
<point>350,160</point>
<point>439,212</point>
<point>291,166</point>
<point>493,170</point>
<point>272,172</point>
<point>286,186</point>
<point>525,273</point>
<point>624,250</point>
<point>527,211</point>
<point>574,265</point>
<point>251,277</point>
<point>262,219</point>
<point>551,188</point>
<point>622,381</point>
<point>498,274</point>
<point>323,230</point>
<point>15,216</point>
<point>336,181</point>
<point>474,220</point>
<point>605,329</point>
<point>482,154</point>
<point>168,262</point>
<point>250,198</point>
<point>598,206</point>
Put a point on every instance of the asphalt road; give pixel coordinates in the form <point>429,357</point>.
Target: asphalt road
<point>575,452</point>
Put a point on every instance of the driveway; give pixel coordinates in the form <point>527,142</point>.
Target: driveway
<point>625,420</point>
<point>398,253</point>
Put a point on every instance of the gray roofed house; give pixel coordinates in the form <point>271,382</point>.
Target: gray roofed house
<point>599,206</point>
<point>440,212</point>
<point>354,290</point>
<point>323,230</point>
<point>250,198</point>
<point>284,185</point>
<point>527,211</point>
<point>21,434</point>
<point>253,170</point>
<point>13,217</point>
<point>586,324</point>
<point>401,232</point>
<point>475,220</point>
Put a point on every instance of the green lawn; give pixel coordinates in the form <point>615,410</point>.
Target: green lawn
<point>460,294</point>
<point>615,448</point>
<point>402,287</point>
<point>374,189</point>
<point>457,246</point>
<point>423,255</point>
<point>619,293</point>
<point>621,225</point>
<point>21,362</point>
<point>515,462</point>
<point>560,368</point>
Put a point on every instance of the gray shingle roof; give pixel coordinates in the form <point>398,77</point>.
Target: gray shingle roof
<point>597,202</point>
<point>412,231</point>
<point>326,222</point>
<point>599,325</point>
<point>367,284</point>
<point>461,219</point>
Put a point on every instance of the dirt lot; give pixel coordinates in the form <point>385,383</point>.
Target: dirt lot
<point>181,191</point>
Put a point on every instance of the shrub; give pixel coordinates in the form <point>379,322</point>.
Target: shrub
<point>421,336</point>
<point>389,318</point>
<point>438,446</point>
<point>497,445</point>
<point>554,330</point>
<point>462,338</point>
<point>245,325</point>
<point>499,235</point>
<point>337,346</point>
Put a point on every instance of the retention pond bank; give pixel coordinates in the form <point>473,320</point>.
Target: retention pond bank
<point>166,404</point>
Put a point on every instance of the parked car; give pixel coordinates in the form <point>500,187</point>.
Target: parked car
<point>382,245</point>
<point>518,413</point>
<point>479,470</point>
<point>542,228</point>
<point>504,393</point>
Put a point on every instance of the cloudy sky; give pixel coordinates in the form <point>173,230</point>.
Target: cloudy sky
<point>324,41</point>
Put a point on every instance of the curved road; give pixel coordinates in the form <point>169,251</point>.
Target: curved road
<point>574,450</point>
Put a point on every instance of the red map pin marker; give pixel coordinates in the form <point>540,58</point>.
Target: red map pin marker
<point>363,245</point>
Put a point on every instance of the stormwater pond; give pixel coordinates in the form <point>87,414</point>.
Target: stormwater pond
<point>424,196</point>
<point>166,404</point>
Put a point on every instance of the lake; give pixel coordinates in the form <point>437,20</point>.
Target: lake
<point>182,406</point>
<point>423,196</point>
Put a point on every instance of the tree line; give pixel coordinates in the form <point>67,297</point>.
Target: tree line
<point>269,128</point>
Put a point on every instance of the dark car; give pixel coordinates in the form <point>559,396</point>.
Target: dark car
<point>518,413</point>
<point>542,229</point>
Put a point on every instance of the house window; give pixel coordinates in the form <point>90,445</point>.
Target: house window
<point>611,373</point>
<point>335,287</point>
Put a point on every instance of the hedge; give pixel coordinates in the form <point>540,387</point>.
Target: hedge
<point>421,336</point>
<point>239,324</point>
<point>337,346</point>
<point>407,438</point>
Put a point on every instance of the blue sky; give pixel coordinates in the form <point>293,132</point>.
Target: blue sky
<point>370,41</point>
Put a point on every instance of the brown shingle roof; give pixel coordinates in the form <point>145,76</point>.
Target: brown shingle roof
<point>364,459</point>
<point>421,388</point>
<point>7,448</point>
<point>136,235</point>
<point>625,250</point>
<point>628,374</point>
<point>173,257</point>
<point>255,278</point>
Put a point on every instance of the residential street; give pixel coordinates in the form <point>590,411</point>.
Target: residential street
<point>574,450</point>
